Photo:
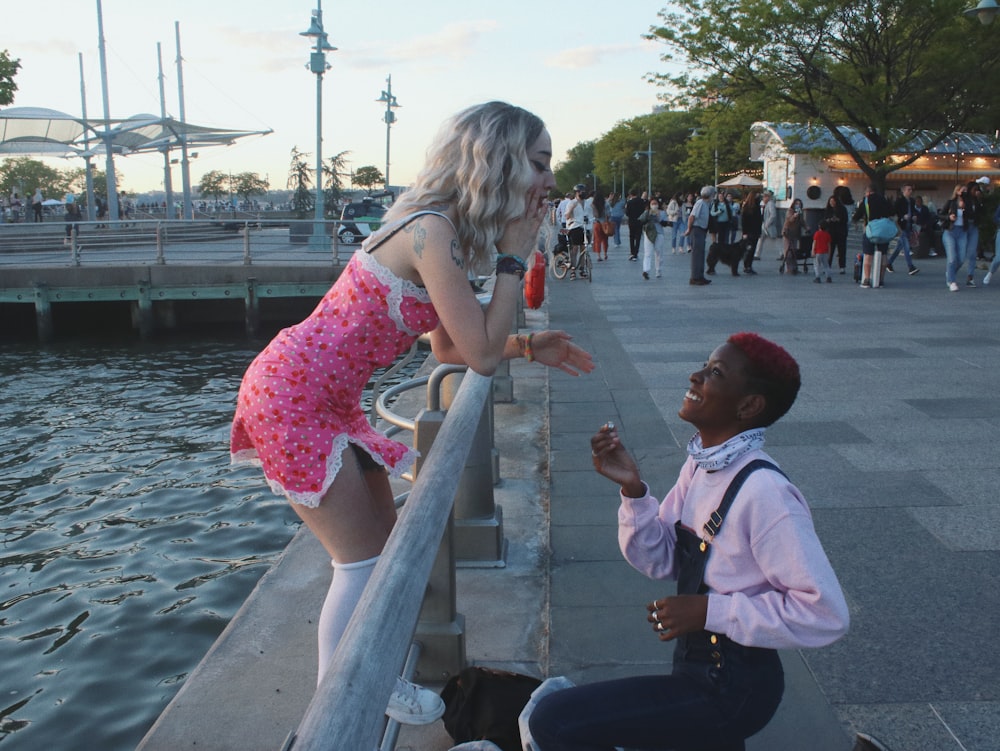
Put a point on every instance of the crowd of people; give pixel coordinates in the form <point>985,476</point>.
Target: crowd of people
<point>724,227</point>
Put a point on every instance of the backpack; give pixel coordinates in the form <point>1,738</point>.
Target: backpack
<point>484,704</point>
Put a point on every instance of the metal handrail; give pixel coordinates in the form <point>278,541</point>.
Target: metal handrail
<point>347,710</point>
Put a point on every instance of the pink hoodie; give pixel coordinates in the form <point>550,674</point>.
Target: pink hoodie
<point>770,583</point>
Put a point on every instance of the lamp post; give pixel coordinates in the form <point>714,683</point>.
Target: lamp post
<point>318,65</point>
<point>389,118</point>
<point>648,153</point>
<point>986,11</point>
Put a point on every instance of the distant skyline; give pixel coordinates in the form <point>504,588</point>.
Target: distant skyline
<point>580,66</point>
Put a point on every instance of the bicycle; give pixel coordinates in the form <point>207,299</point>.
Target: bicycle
<point>560,262</point>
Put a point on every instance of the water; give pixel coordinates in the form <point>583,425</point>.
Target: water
<point>127,541</point>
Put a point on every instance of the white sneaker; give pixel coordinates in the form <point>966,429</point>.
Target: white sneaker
<point>986,279</point>
<point>411,704</point>
<point>953,287</point>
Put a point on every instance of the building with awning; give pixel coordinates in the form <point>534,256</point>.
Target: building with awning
<point>805,161</point>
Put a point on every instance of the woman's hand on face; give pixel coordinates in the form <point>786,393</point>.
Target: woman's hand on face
<point>556,349</point>
<point>612,460</point>
<point>520,235</point>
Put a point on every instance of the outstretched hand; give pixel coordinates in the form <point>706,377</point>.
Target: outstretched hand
<point>556,349</point>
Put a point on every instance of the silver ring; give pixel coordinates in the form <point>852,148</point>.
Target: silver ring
<point>659,626</point>
<point>656,616</point>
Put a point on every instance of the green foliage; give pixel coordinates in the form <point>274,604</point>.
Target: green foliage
<point>300,178</point>
<point>368,177</point>
<point>214,184</point>
<point>577,167</point>
<point>666,134</point>
<point>24,175</point>
<point>8,70</point>
<point>897,70</point>
<point>333,174</point>
<point>248,184</point>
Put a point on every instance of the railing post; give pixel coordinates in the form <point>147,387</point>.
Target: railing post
<point>441,628</point>
<point>479,538</point>
<point>251,306</point>
<point>74,245</point>
<point>335,244</point>
<point>160,258</point>
<point>246,244</point>
<point>43,313</point>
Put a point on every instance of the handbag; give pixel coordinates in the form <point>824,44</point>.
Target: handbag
<point>484,704</point>
<point>881,230</point>
<point>608,227</point>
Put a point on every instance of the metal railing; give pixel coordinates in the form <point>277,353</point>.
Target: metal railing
<point>348,708</point>
<point>219,241</point>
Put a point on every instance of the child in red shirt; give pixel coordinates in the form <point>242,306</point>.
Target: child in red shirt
<point>821,253</point>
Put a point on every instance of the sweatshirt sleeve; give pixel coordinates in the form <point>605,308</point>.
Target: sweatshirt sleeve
<point>798,602</point>
<point>646,533</point>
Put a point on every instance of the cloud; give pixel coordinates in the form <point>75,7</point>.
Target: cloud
<point>452,43</point>
<point>591,56</point>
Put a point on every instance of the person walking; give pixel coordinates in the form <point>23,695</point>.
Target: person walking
<point>906,219</point>
<point>791,231</point>
<point>36,204</point>
<point>478,201</point>
<point>873,206</point>
<point>654,239</point>
<point>954,237</point>
<point>599,214</point>
<point>770,238</point>
<point>697,231</point>
<point>836,218</point>
<point>617,203</point>
<point>751,222</point>
<point>634,207</point>
<point>821,253</point>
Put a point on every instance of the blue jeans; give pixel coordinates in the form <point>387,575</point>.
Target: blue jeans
<point>617,220</point>
<point>697,239</point>
<point>698,707</point>
<point>996,254</point>
<point>902,244</point>
<point>954,241</point>
<point>971,248</point>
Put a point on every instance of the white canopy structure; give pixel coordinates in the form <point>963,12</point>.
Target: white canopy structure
<point>37,130</point>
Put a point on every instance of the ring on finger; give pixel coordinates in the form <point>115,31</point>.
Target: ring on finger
<point>659,626</point>
<point>656,616</point>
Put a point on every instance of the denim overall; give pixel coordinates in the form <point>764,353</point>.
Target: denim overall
<point>746,682</point>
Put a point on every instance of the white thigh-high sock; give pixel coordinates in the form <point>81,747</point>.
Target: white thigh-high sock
<point>349,580</point>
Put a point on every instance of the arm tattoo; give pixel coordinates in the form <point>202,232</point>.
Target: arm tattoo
<point>457,256</point>
<point>419,238</point>
<point>420,242</point>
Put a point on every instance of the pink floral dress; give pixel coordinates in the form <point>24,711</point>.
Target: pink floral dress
<point>299,404</point>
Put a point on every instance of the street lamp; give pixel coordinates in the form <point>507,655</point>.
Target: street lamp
<point>648,153</point>
<point>986,11</point>
<point>318,65</point>
<point>591,174</point>
<point>389,117</point>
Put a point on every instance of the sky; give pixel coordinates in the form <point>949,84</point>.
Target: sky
<point>581,66</point>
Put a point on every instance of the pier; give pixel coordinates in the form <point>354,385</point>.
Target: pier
<point>155,275</point>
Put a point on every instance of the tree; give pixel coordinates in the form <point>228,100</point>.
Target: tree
<point>332,178</point>
<point>75,180</point>
<point>8,69</point>
<point>248,184</point>
<point>299,181</point>
<point>907,74</point>
<point>368,177</point>
<point>214,184</point>
<point>578,164</point>
<point>665,133</point>
<point>24,175</point>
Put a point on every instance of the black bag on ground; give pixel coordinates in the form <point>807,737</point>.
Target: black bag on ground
<point>484,704</point>
<point>857,268</point>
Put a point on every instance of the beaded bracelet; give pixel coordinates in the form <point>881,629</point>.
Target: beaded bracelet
<point>529,355</point>
<point>508,264</point>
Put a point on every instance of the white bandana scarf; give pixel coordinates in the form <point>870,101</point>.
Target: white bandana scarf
<point>717,457</point>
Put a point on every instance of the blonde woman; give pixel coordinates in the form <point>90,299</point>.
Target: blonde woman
<point>478,202</point>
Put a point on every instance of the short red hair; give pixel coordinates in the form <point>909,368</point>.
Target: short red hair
<point>771,371</point>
